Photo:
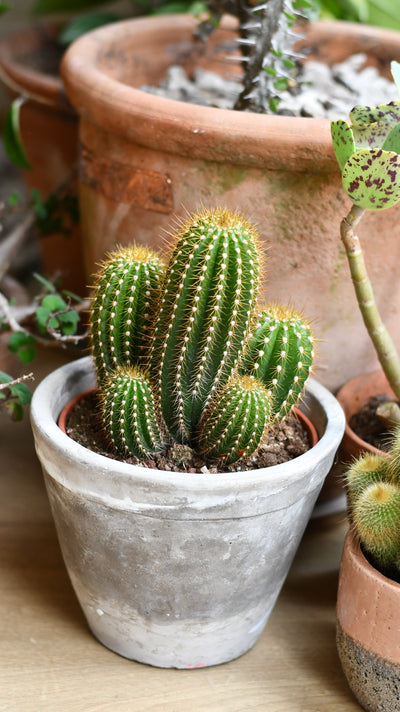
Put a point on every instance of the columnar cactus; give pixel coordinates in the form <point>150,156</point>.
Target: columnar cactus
<point>280,353</point>
<point>174,348</point>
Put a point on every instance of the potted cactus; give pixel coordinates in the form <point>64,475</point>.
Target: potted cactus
<point>182,568</point>
<point>367,151</point>
<point>369,581</point>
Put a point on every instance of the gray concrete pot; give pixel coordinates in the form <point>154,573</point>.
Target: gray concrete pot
<point>173,569</point>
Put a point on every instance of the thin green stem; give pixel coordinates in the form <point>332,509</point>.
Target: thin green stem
<point>380,337</point>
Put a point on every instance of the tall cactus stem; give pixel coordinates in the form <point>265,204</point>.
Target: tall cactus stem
<point>208,299</point>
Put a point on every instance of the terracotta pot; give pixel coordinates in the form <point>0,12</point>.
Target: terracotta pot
<point>352,397</point>
<point>368,630</point>
<point>29,63</point>
<point>176,569</point>
<point>145,158</point>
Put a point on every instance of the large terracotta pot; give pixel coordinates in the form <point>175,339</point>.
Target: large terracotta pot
<point>29,64</point>
<point>176,569</point>
<point>144,158</point>
<point>368,630</point>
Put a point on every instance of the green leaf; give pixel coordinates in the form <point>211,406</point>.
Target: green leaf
<point>18,340</point>
<point>343,141</point>
<point>16,411</point>
<point>387,113</point>
<point>45,282</point>
<point>371,178</point>
<point>22,392</point>
<point>14,199</point>
<point>3,7</point>
<point>12,136</point>
<point>53,302</point>
<point>371,135</point>
<point>80,25</point>
<point>392,142</point>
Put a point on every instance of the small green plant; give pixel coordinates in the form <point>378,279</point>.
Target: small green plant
<point>373,489</point>
<point>181,352</point>
<point>368,153</point>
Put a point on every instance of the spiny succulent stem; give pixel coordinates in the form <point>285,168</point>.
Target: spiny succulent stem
<point>379,335</point>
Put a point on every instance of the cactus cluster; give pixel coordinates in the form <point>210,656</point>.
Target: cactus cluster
<point>373,491</point>
<point>182,353</point>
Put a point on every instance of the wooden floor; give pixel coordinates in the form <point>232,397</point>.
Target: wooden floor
<point>49,661</point>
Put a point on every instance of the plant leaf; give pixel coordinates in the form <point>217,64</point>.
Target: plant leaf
<point>395,70</point>
<point>371,178</point>
<point>80,25</point>
<point>371,135</point>
<point>343,141</point>
<point>392,142</point>
<point>12,136</point>
<point>388,113</point>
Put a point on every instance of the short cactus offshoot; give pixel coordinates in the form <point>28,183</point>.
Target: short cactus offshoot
<point>179,353</point>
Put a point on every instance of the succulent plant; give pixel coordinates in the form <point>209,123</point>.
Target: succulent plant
<point>373,489</point>
<point>368,153</point>
<point>178,350</point>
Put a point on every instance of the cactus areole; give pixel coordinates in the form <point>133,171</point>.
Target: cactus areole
<point>182,353</point>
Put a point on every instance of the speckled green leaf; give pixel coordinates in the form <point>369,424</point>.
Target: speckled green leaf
<point>371,178</point>
<point>388,113</point>
<point>371,135</point>
<point>392,142</point>
<point>343,142</point>
<point>12,135</point>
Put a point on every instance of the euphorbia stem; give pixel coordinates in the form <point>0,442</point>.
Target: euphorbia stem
<point>380,336</point>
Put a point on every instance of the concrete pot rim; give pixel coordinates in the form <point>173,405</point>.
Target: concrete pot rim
<point>65,382</point>
<point>297,143</point>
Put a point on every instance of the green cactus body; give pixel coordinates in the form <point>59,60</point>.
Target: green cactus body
<point>235,421</point>
<point>279,353</point>
<point>376,516</point>
<point>366,470</point>
<point>123,308</point>
<point>209,295</point>
<point>129,413</point>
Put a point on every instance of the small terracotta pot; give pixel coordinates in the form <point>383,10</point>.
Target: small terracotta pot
<point>49,129</point>
<point>368,630</point>
<point>352,397</point>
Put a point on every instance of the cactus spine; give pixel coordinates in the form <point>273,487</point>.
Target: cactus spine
<point>376,516</point>
<point>167,344</point>
<point>207,302</point>
<point>368,469</point>
<point>280,353</point>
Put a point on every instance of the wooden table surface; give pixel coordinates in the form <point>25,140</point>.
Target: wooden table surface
<point>49,661</point>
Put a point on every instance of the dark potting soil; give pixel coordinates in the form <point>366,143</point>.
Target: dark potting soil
<point>368,426</point>
<point>281,444</point>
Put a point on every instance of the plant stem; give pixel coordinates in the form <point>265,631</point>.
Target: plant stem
<point>380,337</point>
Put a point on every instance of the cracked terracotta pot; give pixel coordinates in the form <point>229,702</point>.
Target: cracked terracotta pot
<point>29,64</point>
<point>368,630</point>
<point>176,569</point>
<point>145,158</point>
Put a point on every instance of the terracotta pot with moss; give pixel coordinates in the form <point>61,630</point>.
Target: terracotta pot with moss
<point>144,158</point>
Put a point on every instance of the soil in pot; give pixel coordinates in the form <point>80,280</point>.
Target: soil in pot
<point>282,443</point>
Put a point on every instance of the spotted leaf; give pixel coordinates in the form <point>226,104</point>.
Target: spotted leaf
<point>343,141</point>
<point>392,142</point>
<point>371,178</point>
<point>371,135</point>
<point>387,113</point>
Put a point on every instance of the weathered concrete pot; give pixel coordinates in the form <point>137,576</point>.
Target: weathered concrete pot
<point>29,67</point>
<point>145,159</point>
<point>368,630</point>
<point>172,569</point>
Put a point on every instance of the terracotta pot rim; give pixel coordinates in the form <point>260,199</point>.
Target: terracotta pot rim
<point>206,132</point>
<point>349,433</point>
<point>63,417</point>
<point>19,76</point>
